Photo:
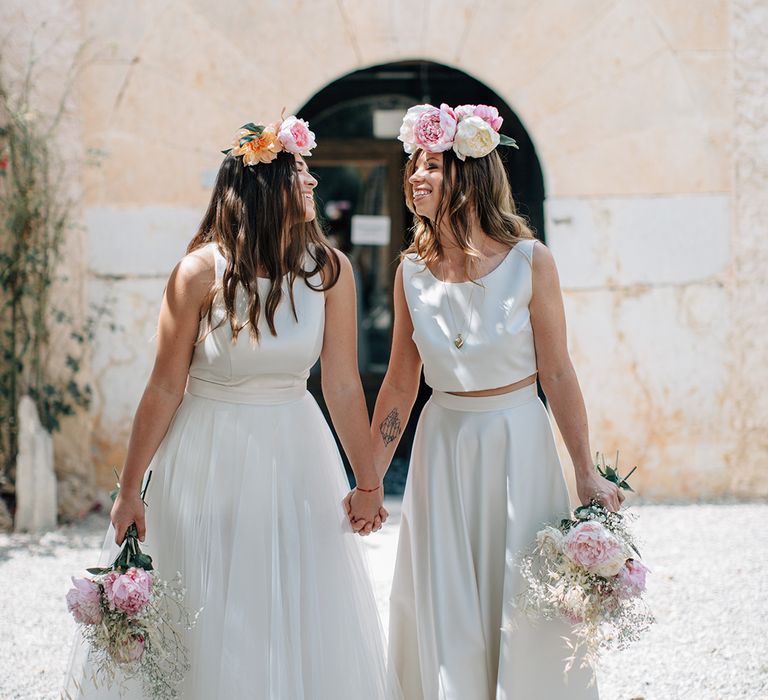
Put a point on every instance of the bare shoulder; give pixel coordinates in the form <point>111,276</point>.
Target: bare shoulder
<point>545,280</point>
<point>194,274</point>
<point>345,283</point>
<point>399,270</point>
<point>344,264</point>
<point>543,262</point>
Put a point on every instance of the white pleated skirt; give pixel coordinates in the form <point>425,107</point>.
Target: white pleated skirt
<point>484,478</point>
<point>246,502</point>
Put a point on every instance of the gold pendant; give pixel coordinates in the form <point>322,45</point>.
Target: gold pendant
<point>458,341</point>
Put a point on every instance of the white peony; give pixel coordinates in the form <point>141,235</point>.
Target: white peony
<point>474,138</point>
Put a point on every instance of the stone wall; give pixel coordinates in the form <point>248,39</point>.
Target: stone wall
<point>746,401</point>
<point>49,34</point>
<point>646,119</point>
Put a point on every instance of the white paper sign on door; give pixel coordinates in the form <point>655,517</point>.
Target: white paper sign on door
<point>370,230</point>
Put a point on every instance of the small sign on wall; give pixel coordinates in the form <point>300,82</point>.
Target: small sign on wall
<point>370,230</point>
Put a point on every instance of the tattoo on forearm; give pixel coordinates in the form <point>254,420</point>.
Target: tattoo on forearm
<point>390,427</point>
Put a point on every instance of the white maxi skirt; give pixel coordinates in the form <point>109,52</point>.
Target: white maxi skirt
<point>484,478</point>
<point>245,501</point>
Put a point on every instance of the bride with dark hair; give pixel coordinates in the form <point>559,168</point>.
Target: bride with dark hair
<point>247,486</point>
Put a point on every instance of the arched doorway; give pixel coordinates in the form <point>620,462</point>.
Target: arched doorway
<point>359,165</point>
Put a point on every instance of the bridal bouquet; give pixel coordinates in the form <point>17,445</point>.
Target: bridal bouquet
<point>587,571</point>
<point>132,619</point>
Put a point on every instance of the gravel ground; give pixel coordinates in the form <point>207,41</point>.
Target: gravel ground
<point>708,589</point>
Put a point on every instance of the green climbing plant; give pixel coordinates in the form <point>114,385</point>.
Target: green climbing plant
<point>35,215</point>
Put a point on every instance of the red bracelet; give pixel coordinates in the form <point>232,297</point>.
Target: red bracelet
<point>357,488</point>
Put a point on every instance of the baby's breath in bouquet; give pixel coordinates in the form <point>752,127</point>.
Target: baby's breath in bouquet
<point>132,621</point>
<point>587,570</point>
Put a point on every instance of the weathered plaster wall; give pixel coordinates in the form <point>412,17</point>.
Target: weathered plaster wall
<point>644,114</point>
<point>746,402</point>
<point>49,35</point>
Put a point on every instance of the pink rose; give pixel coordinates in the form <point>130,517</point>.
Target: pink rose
<point>129,650</point>
<point>128,592</point>
<point>84,601</point>
<point>591,545</point>
<point>295,136</point>
<point>490,115</point>
<point>631,579</point>
<point>429,128</point>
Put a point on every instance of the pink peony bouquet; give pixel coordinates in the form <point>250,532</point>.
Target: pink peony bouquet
<point>587,571</point>
<point>132,621</point>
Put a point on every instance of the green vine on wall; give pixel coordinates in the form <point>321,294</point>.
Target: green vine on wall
<point>34,218</point>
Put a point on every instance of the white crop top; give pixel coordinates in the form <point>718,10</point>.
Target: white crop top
<point>498,342</point>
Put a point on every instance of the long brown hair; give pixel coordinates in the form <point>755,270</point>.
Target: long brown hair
<point>475,187</point>
<point>256,216</point>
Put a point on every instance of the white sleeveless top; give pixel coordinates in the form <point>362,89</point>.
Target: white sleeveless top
<point>277,367</point>
<point>492,315</point>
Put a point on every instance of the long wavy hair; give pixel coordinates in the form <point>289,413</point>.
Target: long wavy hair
<point>475,189</point>
<point>257,218</point>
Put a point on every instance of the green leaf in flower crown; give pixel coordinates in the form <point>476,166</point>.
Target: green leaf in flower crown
<point>227,152</point>
<point>508,141</point>
<point>247,139</point>
<point>255,128</point>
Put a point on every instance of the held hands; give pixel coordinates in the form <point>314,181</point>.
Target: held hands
<point>365,510</point>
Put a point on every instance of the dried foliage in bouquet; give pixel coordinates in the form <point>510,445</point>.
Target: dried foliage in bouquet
<point>133,621</point>
<point>587,570</point>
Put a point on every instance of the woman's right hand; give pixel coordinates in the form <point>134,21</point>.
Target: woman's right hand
<point>127,510</point>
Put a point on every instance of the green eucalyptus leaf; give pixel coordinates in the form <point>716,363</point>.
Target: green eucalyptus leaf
<point>507,141</point>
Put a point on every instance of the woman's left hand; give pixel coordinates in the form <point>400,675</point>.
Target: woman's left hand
<point>360,525</point>
<point>594,487</point>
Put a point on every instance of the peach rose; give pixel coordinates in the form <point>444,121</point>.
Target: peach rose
<point>262,148</point>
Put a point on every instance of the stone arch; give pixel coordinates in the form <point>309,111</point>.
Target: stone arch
<point>344,107</point>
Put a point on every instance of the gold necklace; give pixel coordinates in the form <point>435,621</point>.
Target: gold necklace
<point>458,341</point>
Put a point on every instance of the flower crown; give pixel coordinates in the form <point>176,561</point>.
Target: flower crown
<point>260,143</point>
<point>471,130</point>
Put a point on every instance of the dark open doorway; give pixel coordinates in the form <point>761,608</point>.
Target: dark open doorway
<point>359,164</point>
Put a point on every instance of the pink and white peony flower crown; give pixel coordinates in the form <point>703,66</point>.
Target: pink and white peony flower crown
<point>260,143</point>
<point>470,130</point>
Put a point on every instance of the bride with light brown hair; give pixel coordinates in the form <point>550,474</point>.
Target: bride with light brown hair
<point>478,306</point>
<point>246,495</point>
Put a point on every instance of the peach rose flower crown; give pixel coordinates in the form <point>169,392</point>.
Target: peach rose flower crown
<point>470,130</point>
<point>260,143</point>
